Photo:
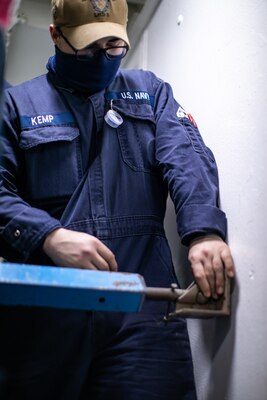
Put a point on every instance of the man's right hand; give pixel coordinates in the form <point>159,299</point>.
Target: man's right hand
<point>73,249</point>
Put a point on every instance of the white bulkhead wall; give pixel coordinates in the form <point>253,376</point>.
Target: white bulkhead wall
<point>214,54</point>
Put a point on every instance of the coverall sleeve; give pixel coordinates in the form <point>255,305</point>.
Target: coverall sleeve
<point>188,167</point>
<point>22,227</point>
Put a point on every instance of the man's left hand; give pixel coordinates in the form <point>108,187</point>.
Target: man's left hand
<point>210,258</point>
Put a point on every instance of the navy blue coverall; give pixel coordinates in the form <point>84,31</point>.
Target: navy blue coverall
<point>63,165</point>
<point>2,63</point>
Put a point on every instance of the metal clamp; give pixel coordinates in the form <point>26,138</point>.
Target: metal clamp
<point>191,303</point>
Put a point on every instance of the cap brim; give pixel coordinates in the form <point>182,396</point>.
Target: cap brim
<point>83,35</point>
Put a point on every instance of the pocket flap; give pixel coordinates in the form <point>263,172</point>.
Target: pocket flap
<point>34,137</point>
<point>136,110</point>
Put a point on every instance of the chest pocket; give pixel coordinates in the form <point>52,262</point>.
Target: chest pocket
<point>52,161</point>
<point>136,135</point>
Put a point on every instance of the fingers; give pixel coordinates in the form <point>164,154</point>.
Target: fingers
<point>107,258</point>
<point>96,255</point>
<point>94,262</point>
<point>228,262</point>
<point>218,268</point>
<point>201,278</point>
<point>210,283</point>
<point>210,258</point>
<point>209,277</point>
<point>78,250</point>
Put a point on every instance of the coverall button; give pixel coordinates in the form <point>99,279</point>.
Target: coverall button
<point>17,233</point>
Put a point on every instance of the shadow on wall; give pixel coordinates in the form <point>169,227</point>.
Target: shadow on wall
<point>221,348</point>
<point>212,340</point>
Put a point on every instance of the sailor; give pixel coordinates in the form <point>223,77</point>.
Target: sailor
<point>90,152</point>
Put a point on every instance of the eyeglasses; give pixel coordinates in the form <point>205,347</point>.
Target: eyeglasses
<point>112,52</point>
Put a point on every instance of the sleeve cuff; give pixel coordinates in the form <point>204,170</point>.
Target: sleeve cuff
<point>198,220</point>
<point>27,231</point>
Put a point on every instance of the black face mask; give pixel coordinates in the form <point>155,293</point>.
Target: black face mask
<point>88,74</point>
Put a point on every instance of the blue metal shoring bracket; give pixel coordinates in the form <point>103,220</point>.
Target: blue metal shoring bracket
<point>72,288</point>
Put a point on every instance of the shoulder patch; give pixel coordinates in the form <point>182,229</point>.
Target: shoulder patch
<point>181,113</point>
